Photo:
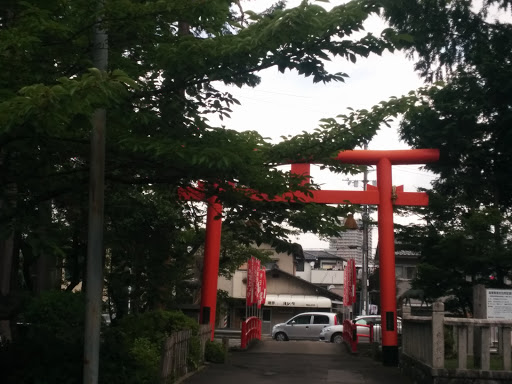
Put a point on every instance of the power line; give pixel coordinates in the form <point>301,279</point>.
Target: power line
<point>281,105</point>
<point>282,93</point>
<point>416,173</point>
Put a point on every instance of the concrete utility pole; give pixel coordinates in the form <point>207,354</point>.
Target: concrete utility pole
<point>364,282</point>
<point>94,286</point>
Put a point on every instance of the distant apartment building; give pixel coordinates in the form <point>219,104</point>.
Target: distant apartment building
<point>349,244</point>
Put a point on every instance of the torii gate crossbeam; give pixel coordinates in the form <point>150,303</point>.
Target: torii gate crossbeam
<point>384,196</point>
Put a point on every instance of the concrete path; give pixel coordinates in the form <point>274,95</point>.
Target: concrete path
<point>297,362</point>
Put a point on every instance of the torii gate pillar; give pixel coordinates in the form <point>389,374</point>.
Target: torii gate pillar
<point>211,264</point>
<point>387,265</point>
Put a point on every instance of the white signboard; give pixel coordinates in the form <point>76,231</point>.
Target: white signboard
<point>302,301</point>
<point>499,304</point>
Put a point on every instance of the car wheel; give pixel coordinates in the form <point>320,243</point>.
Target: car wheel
<point>337,338</point>
<point>281,337</point>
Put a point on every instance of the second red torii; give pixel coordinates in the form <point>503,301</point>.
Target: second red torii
<point>384,196</point>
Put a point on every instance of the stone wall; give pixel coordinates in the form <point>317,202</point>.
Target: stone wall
<point>419,373</point>
<point>423,374</point>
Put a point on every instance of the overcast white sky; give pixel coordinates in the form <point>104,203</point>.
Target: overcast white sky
<point>287,104</point>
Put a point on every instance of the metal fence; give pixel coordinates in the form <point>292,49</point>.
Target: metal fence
<point>251,329</point>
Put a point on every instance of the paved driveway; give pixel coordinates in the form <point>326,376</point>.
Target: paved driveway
<point>297,362</point>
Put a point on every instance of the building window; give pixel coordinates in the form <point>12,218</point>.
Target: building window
<point>273,264</point>
<point>410,272</point>
<point>300,266</point>
<point>327,265</point>
<point>405,272</point>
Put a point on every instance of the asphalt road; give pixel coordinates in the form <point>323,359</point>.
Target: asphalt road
<point>297,362</point>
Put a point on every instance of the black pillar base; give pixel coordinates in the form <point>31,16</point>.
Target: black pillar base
<point>390,356</point>
<point>205,315</point>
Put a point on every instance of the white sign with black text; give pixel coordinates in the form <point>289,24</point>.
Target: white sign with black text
<point>499,304</point>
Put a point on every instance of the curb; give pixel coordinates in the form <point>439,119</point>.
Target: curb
<point>188,375</point>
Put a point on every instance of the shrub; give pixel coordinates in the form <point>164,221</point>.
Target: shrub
<point>449,342</point>
<point>146,353</point>
<point>49,346</point>
<point>215,352</point>
<point>132,347</point>
<point>194,353</point>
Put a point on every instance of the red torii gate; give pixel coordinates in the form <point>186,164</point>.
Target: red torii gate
<point>384,196</point>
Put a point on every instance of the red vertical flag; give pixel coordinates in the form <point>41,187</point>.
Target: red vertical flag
<point>354,278</point>
<point>253,285</point>
<point>349,283</point>
<point>345,286</point>
<point>248,289</point>
<point>264,298</point>
<point>255,280</point>
<point>262,287</point>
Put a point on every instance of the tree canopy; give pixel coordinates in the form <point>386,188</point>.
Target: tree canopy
<point>166,58</point>
<point>467,236</point>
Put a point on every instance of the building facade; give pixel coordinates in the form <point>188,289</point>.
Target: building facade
<point>323,269</point>
<point>287,293</point>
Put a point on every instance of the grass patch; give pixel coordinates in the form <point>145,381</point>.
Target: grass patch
<point>495,365</point>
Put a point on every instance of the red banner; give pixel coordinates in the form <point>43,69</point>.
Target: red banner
<point>264,300</point>
<point>354,278</point>
<point>262,287</point>
<point>256,278</point>
<point>345,286</point>
<point>248,288</point>
<point>253,285</point>
<point>349,283</point>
